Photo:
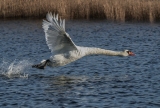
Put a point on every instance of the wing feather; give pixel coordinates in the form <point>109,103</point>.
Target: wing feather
<point>64,24</point>
<point>57,39</point>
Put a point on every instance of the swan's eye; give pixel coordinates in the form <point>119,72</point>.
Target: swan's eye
<point>128,52</point>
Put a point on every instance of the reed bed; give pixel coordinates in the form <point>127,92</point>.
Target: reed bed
<point>114,10</point>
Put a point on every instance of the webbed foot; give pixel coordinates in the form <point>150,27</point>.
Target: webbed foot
<point>42,65</point>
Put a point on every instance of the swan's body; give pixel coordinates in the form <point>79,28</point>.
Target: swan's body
<point>63,48</point>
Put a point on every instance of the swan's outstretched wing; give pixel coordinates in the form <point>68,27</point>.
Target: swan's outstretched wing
<point>57,39</point>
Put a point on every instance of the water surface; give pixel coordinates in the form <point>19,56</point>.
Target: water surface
<point>91,82</point>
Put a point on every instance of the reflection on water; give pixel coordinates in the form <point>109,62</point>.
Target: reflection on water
<point>60,80</point>
<point>93,81</point>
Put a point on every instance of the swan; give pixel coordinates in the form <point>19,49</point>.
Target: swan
<point>63,49</point>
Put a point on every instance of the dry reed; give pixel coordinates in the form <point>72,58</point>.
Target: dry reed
<point>115,10</point>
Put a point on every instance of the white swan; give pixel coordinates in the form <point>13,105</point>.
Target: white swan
<point>63,48</point>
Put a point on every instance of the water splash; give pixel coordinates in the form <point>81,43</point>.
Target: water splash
<point>15,69</point>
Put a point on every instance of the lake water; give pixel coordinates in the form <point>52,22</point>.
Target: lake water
<point>91,82</point>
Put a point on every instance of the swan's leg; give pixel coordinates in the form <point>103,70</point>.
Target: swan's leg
<point>41,65</point>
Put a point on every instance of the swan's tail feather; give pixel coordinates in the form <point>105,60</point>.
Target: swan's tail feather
<point>41,65</point>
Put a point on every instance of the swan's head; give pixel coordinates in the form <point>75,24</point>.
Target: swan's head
<point>128,53</point>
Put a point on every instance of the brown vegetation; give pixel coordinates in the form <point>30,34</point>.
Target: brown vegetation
<point>115,10</point>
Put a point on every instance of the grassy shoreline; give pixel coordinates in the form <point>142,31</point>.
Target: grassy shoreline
<point>114,10</point>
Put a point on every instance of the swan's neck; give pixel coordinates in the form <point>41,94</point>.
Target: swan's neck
<point>98,51</point>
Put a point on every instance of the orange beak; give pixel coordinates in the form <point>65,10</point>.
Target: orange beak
<point>131,54</point>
